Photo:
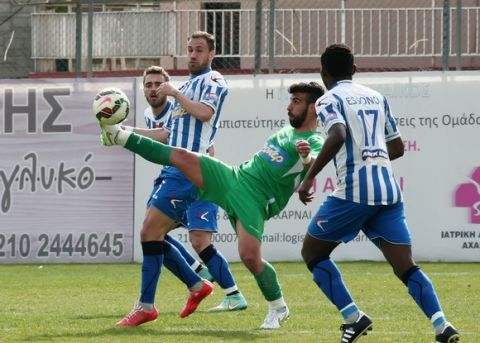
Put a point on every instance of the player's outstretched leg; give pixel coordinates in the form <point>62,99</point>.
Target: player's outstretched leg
<point>149,149</point>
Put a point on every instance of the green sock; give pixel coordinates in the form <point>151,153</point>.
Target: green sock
<point>268,283</point>
<point>149,149</point>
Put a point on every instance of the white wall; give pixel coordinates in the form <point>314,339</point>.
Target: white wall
<point>439,120</point>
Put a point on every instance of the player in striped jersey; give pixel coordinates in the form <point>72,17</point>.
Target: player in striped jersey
<point>200,217</point>
<point>200,109</point>
<point>362,140</point>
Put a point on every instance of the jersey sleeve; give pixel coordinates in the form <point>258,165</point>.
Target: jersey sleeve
<point>328,111</point>
<point>215,89</point>
<point>316,144</point>
<point>391,128</point>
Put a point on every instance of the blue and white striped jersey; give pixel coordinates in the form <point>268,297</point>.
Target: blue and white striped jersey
<point>364,170</point>
<point>208,87</point>
<point>159,120</point>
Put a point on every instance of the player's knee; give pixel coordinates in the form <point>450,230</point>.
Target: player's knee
<point>309,253</point>
<point>198,245</point>
<point>200,240</point>
<point>306,254</point>
<point>252,261</point>
<point>183,156</point>
<point>152,232</point>
<point>405,275</point>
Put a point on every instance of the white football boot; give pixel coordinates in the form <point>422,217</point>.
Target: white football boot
<point>275,318</point>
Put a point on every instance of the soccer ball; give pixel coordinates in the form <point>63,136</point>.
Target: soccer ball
<point>111,106</point>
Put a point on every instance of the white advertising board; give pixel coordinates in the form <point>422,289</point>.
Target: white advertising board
<point>439,173</point>
<point>64,197</point>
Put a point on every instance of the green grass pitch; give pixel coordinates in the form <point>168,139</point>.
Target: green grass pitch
<point>81,303</point>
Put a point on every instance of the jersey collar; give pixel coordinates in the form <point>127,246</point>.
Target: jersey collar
<point>164,111</point>
<point>335,84</point>
<point>203,71</point>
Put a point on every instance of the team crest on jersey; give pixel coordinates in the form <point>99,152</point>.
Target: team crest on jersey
<point>178,111</point>
<point>274,154</point>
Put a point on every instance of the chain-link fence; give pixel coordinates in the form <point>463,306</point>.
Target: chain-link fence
<point>251,35</point>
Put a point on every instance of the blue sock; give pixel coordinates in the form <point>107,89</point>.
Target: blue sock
<point>176,263</point>
<point>151,269</point>
<point>185,253</point>
<point>218,267</point>
<point>327,276</point>
<point>421,289</point>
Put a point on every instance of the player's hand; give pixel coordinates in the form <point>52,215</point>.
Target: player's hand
<point>303,148</point>
<point>166,88</point>
<point>304,192</point>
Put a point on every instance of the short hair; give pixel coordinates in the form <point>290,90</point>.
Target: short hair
<point>313,89</point>
<point>207,36</point>
<point>337,59</point>
<point>156,70</point>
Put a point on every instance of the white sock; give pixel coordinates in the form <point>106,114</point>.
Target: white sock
<point>117,134</point>
<point>146,306</point>
<point>276,304</point>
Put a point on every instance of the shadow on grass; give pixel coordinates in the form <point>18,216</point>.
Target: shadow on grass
<point>138,332</point>
<point>119,316</point>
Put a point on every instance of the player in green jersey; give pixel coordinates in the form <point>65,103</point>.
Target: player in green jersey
<point>253,192</point>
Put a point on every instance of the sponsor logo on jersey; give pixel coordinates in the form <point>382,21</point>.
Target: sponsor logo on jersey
<point>212,97</point>
<point>178,111</point>
<point>374,153</point>
<point>274,154</point>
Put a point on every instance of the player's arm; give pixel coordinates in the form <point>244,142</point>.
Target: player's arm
<point>395,148</point>
<point>304,149</point>
<point>335,140</point>
<point>199,110</point>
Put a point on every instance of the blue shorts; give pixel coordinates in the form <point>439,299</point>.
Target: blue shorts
<point>341,220</point>
<point>172,196</point>
<point>202,215</point>
<point>177,197</point>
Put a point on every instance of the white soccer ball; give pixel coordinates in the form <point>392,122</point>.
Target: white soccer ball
<point>111,106</point>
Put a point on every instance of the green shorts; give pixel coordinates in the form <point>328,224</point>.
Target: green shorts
<point>224,186</point>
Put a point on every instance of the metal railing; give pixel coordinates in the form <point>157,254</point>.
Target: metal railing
<point>298,32</point>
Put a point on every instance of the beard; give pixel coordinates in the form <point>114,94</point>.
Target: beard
<point>158,102</point>
<point>195,68</point>
<point>298,121</point>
